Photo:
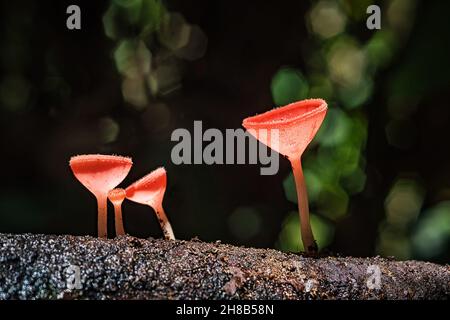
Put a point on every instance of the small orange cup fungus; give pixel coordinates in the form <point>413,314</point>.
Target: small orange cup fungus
<point>100,174</point>
<point>116,196</point>
<point>150,190</point>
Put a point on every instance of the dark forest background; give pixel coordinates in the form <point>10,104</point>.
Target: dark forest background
<point>378,172</point>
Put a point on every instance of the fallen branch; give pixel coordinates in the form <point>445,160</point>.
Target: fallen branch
<point>47,267</point>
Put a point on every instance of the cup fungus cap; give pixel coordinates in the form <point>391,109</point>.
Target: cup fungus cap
<point>150,189</point>
<point>297,123</point>
<point>100,173</point>
<point>116,196</point>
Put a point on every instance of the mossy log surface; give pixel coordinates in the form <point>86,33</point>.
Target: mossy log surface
<point>46,267</point>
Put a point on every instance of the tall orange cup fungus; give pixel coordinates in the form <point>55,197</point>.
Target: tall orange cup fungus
<point>100,174</point>
<point>150,190</point>
<point>297,124</point>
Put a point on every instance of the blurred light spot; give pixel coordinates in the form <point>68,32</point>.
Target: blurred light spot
<point>401,133</point>
<point>196,46</point>
<point>320,87</point>
<point>174,32</point>
<point>152,13</point>
<point>316,59</point>
<point>403,202</point>
<point>394,243</point>
<point>400,15</point>
<point>108,129</point>
<point>288,85</point>
<point>164,79</point>
<point>357,94</point>
<point>134,11</point>
<point>109,24</point>
<point>126,18</point>
<point>355,182</point>
<point>324,166</point>
<point>290,235</point>
<point>127,3</point>
<point>343,159</point>
<point>346,62</point>
<point>327,19</point>
<point>402,206</point>
<point>380,48</point>
<point>245,223</point>
<point>313,185</point>
<point>134,92</point>
<point>432,235</point>
<point>347,157</point>
<point>356,9</point>
<point>132,58</point>
<point>359,129</point>
<point>14,92</point>
<point>333,202</point>
<point>289,188</point>
<point>335,128</point>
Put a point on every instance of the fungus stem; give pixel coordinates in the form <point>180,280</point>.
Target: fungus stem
<point>118,219</point>
<point>164,223</point>
<point>309,243</point>
<point>102,201</point>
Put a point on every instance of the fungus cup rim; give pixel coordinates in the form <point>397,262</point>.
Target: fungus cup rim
<point>152,176</point>
<point>99,157</point>
<point>271,118</point>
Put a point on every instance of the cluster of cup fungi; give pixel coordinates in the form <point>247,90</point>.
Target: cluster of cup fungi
<point>297,124</point>
<point>101,174</point>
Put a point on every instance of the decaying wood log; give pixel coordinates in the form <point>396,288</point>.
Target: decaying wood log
<point>74,267</point>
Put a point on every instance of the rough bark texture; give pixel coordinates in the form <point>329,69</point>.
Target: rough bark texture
<point>38,267</point>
